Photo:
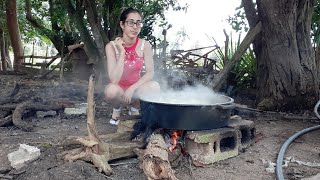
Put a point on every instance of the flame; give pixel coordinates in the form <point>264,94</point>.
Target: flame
<point>174,137</point>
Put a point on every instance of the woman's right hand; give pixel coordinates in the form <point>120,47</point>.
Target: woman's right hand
<point>120,44</point>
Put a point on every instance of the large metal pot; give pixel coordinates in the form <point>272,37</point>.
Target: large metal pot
<point>186,116</point>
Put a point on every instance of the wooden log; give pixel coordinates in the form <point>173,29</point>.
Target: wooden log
<point>223,74</point>
<point>154,159</point>
<point>17,118</point>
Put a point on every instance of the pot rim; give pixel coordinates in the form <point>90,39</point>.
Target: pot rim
<point>231,101</point>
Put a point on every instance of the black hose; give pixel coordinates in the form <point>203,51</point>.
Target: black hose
<point>279,172</point>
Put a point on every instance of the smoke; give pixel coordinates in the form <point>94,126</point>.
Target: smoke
<point>188,95</point>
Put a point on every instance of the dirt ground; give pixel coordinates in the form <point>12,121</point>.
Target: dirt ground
<point>272,130</point>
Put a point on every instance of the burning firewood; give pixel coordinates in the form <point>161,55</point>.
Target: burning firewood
<point>96,150</point>
<point>154,159</point>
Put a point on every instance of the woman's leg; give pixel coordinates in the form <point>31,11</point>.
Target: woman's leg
<point>113,94</point>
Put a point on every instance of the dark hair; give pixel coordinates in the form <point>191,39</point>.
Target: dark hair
<point>125,12</point>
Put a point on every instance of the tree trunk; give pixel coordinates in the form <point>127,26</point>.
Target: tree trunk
<point>52,34</point>
<point>95,25</point>
<point>6,48</point>
<point>286,65</point>
<point>77,16</point>
<point>100,39</point>
<point>14,32</point>
<point>2,52</point>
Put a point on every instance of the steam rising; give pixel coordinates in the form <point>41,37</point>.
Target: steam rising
<point>197,95</point>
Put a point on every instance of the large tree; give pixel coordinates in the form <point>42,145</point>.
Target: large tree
<point>14,32</point>
<point>286,70</point>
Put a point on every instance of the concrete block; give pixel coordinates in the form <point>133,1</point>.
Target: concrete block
<point>79,109</point>
<point>24,155</point>
<point>246,130</point>
<point>207,147</point>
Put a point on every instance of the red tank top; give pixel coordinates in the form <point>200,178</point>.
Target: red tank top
<point>133,64</point>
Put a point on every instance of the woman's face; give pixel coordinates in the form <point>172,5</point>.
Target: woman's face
<point>132,25</point>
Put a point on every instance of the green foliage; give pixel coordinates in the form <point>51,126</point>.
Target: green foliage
<point>238,21</point>
<point>315,26</point>
<point>243,74</point>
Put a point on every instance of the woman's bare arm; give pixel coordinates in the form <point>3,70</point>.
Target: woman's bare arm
<point>114,64</point>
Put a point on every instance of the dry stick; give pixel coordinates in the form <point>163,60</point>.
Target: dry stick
<point>52,60</point>
<point>223,74</point>
<point>226,47</point>
<point>202,56</point>
<point>40,57</point>
<point>44,75</point>
<point>93,136</point>
<point>284,116</point>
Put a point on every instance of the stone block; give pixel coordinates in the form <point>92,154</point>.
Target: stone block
<point>246,130</point>
<point>79,109</point>
<point>24,155</point>
<point>207,147</point>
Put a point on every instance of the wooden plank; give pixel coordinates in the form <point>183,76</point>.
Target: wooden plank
<point>223,74</point>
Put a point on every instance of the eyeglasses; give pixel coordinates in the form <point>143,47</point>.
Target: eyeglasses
<point>132,23</point>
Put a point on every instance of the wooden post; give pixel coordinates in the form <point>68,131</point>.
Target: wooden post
<point>32,54</point>
<point>96,150</point>
<point>226,46</point>
<point>62,62</point>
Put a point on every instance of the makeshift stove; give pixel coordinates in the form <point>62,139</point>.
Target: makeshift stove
<point>209,146</point>
<point>207,133</point>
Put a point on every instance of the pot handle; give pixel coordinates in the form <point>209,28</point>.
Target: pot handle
<point>225,106</point>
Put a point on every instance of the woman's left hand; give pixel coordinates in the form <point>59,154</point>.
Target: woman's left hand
<point>127,96</point>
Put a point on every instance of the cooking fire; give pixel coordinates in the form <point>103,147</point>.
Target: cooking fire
<point>197,120</point>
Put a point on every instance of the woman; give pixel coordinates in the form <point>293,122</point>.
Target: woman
<point>126,56</point>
